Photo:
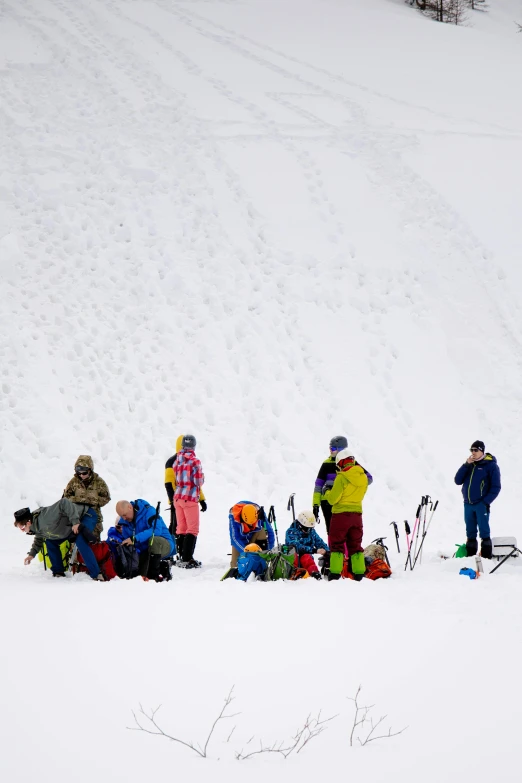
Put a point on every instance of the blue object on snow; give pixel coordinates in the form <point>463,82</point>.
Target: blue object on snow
<point>468,572</point>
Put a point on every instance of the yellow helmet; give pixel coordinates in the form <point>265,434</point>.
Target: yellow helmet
<point>249,515</point>
<point>253,548</point>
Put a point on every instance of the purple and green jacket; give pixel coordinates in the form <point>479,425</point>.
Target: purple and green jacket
<point>326,477</point>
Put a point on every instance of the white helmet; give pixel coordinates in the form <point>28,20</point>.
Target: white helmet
<point>306,519</point>
<point>344,454</point>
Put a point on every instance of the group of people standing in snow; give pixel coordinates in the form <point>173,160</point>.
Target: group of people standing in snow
<point>339,491</point>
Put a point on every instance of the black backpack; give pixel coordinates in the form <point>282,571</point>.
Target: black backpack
<point>126,561</point>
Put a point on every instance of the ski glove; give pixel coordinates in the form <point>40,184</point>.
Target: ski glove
<point>203,505</point>
<point>316,513</point>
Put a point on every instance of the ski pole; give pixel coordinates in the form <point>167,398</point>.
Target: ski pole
<point>396,531</point>
<point>426,531</point>
<point>410,545</point>
<point>272,519</point>
<point>428,500</point>
<point>418,525</point>
<point>291,505</point>
<point>407,530</point>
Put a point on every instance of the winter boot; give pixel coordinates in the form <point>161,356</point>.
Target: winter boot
<point>316,575</point>
<point>486,548</point>
<point>154,567</point>
<point>58,573</point>
<point>336,564</point>
<point>180,538</point>
<point>164,570</point>
<point>100,578</point>
<point>358,566</point>
<point>230,574</point>
<point>472,547</point>
<point>189,546</point>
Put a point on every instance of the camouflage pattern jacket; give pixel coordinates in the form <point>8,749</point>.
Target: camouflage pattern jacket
<point>94,492</point>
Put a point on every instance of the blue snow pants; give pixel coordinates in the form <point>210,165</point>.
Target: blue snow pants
<point>89,519</point>
<point>476,516</point>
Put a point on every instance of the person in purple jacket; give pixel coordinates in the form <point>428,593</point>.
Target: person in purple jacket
<point>326,477</point>
<point>479,477</point>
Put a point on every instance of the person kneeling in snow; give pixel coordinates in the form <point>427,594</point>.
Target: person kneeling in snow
<point>306,542</point>
<point>56,524</point>
<point>250,562</point>
<point>147,531</point>
<point>248,525</point>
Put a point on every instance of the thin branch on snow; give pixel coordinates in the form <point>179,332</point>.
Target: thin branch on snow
<point>311,728</point>
<point>158,731</point>
<point>362,716</point>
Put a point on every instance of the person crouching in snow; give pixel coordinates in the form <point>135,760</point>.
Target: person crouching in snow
<point>54,525</point>
<point>306,542</point>
<point>346,526</point>
<point>189,480</point>
<point>248,525</point>
<point>142,528</point>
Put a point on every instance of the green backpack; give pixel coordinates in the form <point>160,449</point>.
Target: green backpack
<point>64,549</point>
<point>280,563</point>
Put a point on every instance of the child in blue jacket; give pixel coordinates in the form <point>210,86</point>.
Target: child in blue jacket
<point>302,536</point>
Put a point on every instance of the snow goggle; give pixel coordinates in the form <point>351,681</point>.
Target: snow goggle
<point>81,471</point>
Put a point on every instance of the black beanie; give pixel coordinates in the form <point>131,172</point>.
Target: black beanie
<point>478,444</point>
<point>23,515</point>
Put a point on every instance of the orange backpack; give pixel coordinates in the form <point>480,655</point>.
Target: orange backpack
<point>379,569</point>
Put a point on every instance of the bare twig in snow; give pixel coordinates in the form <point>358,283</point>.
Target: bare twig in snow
<point>311,728</point>
<point>362,716</point>
<point>158,731</point>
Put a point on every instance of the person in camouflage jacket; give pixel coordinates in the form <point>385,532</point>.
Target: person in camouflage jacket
<point>89,489</point>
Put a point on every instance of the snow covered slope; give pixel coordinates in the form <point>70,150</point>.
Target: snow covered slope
<point>265,223</point>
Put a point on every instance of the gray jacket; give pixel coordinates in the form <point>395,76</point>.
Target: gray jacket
<point>54,522</point>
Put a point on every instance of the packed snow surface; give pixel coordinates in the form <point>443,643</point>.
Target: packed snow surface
<point>265,222</point>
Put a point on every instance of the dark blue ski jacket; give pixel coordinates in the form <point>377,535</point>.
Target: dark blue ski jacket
<point>305,543</point>
<point>143,527</point>
<point>480,480</point>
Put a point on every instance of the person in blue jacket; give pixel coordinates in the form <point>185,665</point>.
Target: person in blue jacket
<point>306,542</point>
<point>248,525</point>
<point>149,534</point>
<point>479,477</point>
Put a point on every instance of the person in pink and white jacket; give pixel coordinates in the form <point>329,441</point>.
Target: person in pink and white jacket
<point>189,480</point>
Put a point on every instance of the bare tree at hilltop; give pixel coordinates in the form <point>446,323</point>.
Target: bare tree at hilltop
<point>449,11</point>
<point>446,11</point>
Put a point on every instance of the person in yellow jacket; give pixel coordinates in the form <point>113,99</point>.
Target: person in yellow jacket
<point>170,486</point>
<point>346,526</point>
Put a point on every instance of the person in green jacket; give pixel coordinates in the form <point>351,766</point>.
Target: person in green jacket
<point>346,526</point>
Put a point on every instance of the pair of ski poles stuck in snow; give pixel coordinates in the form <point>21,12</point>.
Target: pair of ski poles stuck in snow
<point>413,547</point>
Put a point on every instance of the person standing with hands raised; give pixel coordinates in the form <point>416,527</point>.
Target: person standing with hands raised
<point>479,477</point>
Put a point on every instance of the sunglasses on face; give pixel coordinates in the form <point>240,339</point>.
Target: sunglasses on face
<point>474,449</point>
<point>82,471</point>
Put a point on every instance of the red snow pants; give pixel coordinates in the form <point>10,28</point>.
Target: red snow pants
<point>346,532</point>
<point>306,561</point>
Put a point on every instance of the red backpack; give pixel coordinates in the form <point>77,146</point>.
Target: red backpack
<point>379,569</point>
<point>103,555</point>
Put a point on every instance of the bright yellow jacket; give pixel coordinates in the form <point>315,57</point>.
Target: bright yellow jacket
<point>348,490</point>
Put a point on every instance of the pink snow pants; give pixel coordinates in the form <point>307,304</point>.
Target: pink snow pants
<point>187,517</point>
